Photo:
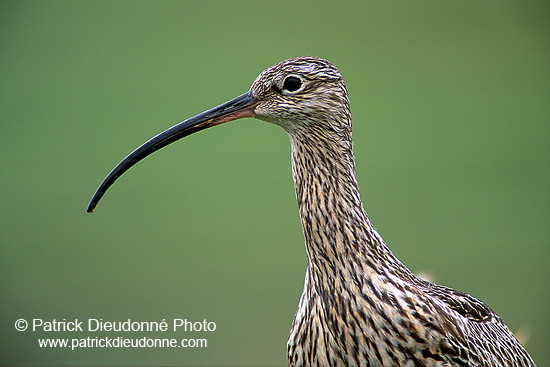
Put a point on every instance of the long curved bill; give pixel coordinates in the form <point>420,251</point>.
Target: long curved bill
<point>242,106</point>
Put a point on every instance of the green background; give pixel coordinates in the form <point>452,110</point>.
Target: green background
<point>451,126</point>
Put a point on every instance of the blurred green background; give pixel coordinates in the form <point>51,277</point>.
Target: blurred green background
<point>451,126</point>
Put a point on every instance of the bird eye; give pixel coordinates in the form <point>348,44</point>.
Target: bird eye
<point>292,84</point>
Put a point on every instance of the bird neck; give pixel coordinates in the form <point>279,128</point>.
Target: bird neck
<point>338,233</point>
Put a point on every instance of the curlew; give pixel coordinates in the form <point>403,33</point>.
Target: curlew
<point>360,305</point>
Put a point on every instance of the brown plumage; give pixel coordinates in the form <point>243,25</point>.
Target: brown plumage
<point>360,305</point>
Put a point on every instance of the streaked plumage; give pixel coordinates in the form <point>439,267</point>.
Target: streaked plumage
<point>360,305</point>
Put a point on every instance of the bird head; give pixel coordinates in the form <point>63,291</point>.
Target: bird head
<point>304,95</point>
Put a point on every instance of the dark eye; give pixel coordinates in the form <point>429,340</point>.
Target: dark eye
<point>292,84</point>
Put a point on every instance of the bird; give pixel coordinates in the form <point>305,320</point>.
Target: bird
<point>360,305</point>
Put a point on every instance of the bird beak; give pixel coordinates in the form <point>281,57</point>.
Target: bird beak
<point>242,106</point>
